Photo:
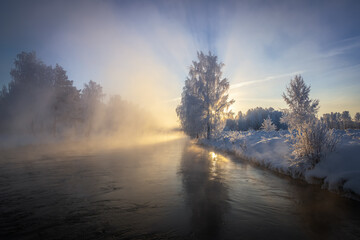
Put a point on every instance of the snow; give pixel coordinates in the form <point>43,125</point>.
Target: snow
<point>339,171</point>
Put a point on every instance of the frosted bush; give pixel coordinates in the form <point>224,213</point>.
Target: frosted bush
<point>312,141</point>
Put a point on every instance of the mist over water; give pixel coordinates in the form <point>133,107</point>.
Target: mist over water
<point>174,189</point>
<point>41,105</point>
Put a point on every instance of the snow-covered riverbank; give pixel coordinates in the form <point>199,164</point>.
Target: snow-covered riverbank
<point>339,170</point>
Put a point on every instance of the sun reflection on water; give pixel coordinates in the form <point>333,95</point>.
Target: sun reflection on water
<point>217,164</point>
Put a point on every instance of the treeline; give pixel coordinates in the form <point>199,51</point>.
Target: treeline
<point>40,99</point>
<point>341,120</point>
<point>253,119</point>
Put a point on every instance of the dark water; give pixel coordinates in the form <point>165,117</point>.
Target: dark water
<point>175,190</point>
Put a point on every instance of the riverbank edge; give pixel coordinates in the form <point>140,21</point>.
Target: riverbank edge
<point>291,171</point>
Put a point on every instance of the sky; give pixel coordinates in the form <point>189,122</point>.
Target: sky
<point>142,50</point>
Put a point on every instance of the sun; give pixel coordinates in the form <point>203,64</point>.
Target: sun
<point>213,155</point>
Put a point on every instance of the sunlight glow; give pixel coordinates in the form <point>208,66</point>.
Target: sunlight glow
<point>213,155</point>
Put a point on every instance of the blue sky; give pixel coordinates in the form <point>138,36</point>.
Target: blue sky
<point>142,49</point>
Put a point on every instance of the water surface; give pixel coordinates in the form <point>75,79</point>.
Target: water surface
<point>173,190</point>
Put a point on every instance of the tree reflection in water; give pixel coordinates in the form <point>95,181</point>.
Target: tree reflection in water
<point>206,194</point>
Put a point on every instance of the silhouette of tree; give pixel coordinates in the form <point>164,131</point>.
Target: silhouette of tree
<point>66,101</point>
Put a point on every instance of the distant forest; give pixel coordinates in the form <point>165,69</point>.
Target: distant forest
<point>254,118</point>
<point>41,100</point>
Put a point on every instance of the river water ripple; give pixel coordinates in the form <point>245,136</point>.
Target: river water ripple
<point>173,190</point>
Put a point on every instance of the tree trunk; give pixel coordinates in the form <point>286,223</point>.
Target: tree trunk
<point>208,124</point>
<point>208,130</point>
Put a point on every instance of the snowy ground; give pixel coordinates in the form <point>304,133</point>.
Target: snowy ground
<point>339,171</point>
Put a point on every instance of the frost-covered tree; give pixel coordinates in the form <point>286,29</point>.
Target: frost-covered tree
<point>205,101</point>
<point>91,100</point>
<point>357,120</point>
<point>312,142</point>
<point>241,121</point>
<point>230,125</point>
<point>357,117</point>
<point>345,119</point>
<point>326,118</point>
<point>254,118</point>
<point>311,139</point>
<point>335,120</point>
<point>301,107</point>
<point>40,99</point>
<point>66,100</point>
<point>92,93</point>
<point>268,125</point>
<point>341,120</point>
<point>29,92</point>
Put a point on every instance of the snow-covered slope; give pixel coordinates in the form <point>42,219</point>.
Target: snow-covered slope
<point>340,170</point>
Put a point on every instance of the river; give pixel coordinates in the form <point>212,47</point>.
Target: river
<point>172,190</point>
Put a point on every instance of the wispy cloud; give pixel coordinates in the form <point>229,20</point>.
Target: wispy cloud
<point>272,100</point>
<point>345,46</point>
<point>333,50</point>
<point>239,85</point>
